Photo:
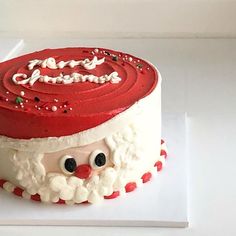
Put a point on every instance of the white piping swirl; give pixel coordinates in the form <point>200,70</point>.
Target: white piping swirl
<point>52,64</point>
<point>66,79</point>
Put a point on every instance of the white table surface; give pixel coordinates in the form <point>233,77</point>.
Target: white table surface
<point>199,78</point>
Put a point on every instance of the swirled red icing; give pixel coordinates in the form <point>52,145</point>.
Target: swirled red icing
<point>80,106</point>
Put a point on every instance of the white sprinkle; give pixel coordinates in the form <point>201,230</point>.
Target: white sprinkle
<point>54,108</point>
<point>22,106</point>
<point>46,108</point>
<point>65,106</point>
<point>26,100</point>
<point>148,68</point>
<point>134,61</point>
<point>21,103</point>
<point>22,93</point>
<point>70,108</point>
<point>16,106</point>
<point>35,106</point>
<point>7,92</point>
<point>6,99</point>
<point>130,59</point>
<point>96,50</point>
<point>39,108</point>
<point>55,100</point>
<point>93,53</point>
<point>60,106</point>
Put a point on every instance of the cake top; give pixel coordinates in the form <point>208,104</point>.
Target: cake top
<point>59,92</point>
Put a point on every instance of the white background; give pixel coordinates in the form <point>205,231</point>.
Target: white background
<point>199,78</point>
<point>118,18</point>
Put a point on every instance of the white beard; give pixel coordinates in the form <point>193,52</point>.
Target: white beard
<point>54,186</point>
<point>74,190</point>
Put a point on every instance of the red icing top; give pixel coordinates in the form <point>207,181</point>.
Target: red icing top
<point>80,106</point>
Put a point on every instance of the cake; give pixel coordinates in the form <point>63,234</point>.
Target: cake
<point>79,124</point>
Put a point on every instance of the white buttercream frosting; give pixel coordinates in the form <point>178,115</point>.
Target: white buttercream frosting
<point>65,79</point>
<point>52,64</point>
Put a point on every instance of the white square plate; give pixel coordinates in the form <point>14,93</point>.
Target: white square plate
<point>10,48</point>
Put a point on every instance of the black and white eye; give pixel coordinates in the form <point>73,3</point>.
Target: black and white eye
<point>97,159</point>
<point>68,164</point>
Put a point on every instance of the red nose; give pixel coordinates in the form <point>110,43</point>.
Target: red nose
<point>83,171</point>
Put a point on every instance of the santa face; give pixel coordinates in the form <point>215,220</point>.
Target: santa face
<point>83,173</point>
<point>82,162</point>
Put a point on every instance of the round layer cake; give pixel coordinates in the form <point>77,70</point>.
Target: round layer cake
<point>79,124</point>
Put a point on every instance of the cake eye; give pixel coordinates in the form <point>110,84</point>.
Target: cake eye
<point>97,159</point>
<point>68,164</point>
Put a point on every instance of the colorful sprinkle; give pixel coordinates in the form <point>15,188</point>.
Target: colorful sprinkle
<point>115,58</point>
<point>36,99</point>
<point>19,100</point>
<point>139,65</point>
<point>54,108</point>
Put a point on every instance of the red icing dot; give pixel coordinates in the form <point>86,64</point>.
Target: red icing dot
<point>35,197</point>
<point>158,165</point>
<point>113,195</point>
<point>146,177</point>
<point>60,201</point>
<point>163,153</point>
<point>18,191</point>
<point>162,141</point>
<point>130,187</point>
<point>85,202</point>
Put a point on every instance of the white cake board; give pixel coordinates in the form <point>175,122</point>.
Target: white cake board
<point>10,48</point>
<point>162,202</point>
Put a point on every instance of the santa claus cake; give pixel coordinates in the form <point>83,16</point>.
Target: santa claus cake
<point>79,125</point>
